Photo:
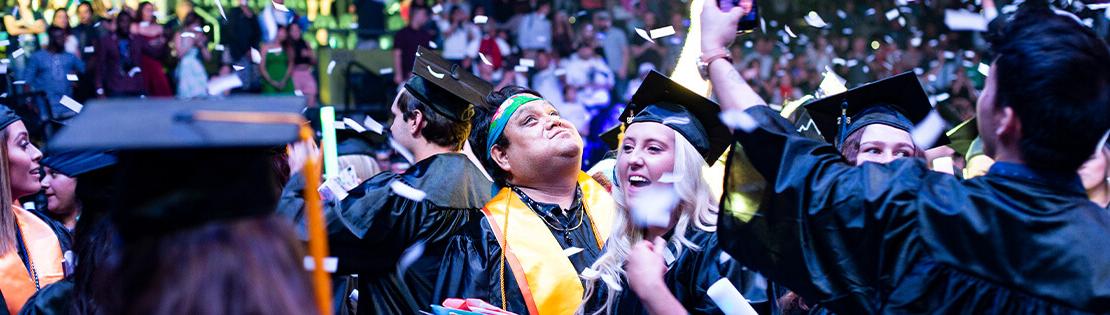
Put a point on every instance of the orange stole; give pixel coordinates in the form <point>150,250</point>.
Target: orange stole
<point>43,249</point>
<point>550,284</point>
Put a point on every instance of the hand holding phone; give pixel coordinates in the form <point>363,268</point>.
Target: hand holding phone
<point>750,20</point>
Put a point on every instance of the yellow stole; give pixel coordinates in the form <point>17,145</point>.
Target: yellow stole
<point>43,249</point>
<point>547,279</point>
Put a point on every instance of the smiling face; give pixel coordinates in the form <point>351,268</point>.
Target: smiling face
<point>646,153</point>
<point>881,144</point>
<point>1095,171</point>
<point>23,161</point>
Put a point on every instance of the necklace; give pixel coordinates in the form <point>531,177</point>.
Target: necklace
<point>544,216</point>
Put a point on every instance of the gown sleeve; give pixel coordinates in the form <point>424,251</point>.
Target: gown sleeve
<point>817,225</point>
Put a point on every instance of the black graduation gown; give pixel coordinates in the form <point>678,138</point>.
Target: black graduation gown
<point>898,238</point>
<point>689,276</point>
<point>55,299</point>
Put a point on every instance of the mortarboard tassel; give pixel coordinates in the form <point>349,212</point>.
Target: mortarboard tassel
<point>842,124</point>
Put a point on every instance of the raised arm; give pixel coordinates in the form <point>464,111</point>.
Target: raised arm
<point>718,30</point>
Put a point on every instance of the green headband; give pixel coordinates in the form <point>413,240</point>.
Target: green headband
<point>501,118</point>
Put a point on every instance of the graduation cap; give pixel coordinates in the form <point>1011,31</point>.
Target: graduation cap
<point>963,135</point>
<point>898,101</point>
<point>444,87</point>
<point>77,162</point>
<point>661,100</point>
<point>351,142</point>
<point>186,163</point>
<point>7,117</point>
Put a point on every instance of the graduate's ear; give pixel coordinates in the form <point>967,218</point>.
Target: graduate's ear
<point>416,124</point>
<point>501,158</point>
<point>1008,129</point>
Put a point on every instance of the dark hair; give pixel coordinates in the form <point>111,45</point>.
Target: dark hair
<point>139,11</point>
<point>191,18</point>
<point>245,266</point>
<point>93,241</point>
<point>57,40</point>
<point>439,129</point>
<point>85,3</point>
<point>850,148</point>
<point>494,100</point>
<point>1055,74</point>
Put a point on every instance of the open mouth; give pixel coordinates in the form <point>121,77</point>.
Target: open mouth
<point>638,181</point>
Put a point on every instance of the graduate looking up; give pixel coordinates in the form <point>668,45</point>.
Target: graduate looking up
<point>550,219</point>
<point>422,209</point>
<point>898,238</point>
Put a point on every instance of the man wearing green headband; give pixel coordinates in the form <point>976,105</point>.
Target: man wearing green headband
<point>549,219</point>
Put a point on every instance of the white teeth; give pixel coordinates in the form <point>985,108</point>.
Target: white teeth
<point>637,178</point>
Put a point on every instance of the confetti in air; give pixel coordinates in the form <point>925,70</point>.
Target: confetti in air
<point>789,32</point>
<point>354,125</point>
<point>385,71</point>
<point>256,57</point>
<point>738,120</point>
<point>644,34</point>
<point>331,66</point>
<point>330,263</point>
<point>71,77</point>
<point>401,189</point>
<point>925,134</point>
<point>484,59</point>
<point>280,7</point>
<point>815,20</point>
<point>571,251</point>
<point>223,84</point>
<point>729,299</point>
<point>480,19</point>
<point>662,32</point>
<point>652,207</point>
<point>373,125</point>
<point>220,6</point>
<point>237,67</point>
<point>71,104</point>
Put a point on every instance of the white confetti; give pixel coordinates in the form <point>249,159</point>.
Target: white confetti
<point>484,59</point>
<point>275,50</point>
<point>738,119</point>
<point>71,104</point>
<point>435,74</point>
<point>385,71</point>
<point>942,97</point>
<point>433,45</point>
<point>354,125</point>
<point>815,20</point>
<point>965,21</point>
<point>916,41</point>
<point>527,62</point>
<point>1098,6</point>
<point>560,72</point>
<point>892,14</point>
<point>926,132</point>
<point>610,281</point>
<point>653,206</point>
<point>670,178</point>
<point>4,42</point>
<point>256,57</point>
<point>220,47</point>
<point>71,77</point>
<point>18,52</point>
<point>662,32</point>
<point>949,55</point>
<point>789,32</point>
<point>89,49</point>
<point>401,150</point>
<point>520,69</point>
<point>571,251</point>
<point>589,273</point>
<point>330,263</point>
<point>373,125</point>
<point>279,6</point>
<point>331,66</point>
<point>728,299</point>
<point>437,9</point>
<point>339,124</point>
<point>724,257</point>
<point>944,164</point>
<point>144,24</point>
<point>223,84</point>
<point>644,34</point>
<point>409,256</point>
<point>237,67</point>
<point>401,189</point>
<point>220,6</point>
<point>134,71</point>
<point>480,19</point>
<point>298,93</point>
<point>984,69</point>
<point>188,35</point>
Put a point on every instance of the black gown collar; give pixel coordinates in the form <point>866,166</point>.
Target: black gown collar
<point>1068,181</point>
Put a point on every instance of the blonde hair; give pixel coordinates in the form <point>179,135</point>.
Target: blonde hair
<point>7,216</point>
<point>697,207</point>
<point>364,166</point>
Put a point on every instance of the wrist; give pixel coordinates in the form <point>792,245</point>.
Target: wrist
<point>647,286</point>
